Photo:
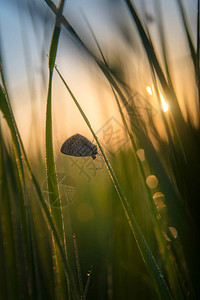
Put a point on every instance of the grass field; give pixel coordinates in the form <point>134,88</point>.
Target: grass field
<point>125,225</point>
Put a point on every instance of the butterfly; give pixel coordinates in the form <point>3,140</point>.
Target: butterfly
<point>79,146</point>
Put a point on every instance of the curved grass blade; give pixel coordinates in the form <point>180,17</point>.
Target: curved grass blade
<point>8,114</point>
<point>87,282</point>
<point>147,45</point>
<point>50,163</point>
<point>11,284</point>
<point>145,251</point>
<point>53,190</point>
<point>6,109</point>
<point>26,229</point>
<point>188,34</point>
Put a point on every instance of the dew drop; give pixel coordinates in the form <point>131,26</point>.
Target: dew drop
<point>152,181</point>
<point>158,198</point>
<point>89,272</point>
<point>158,195</point>
<point>166,237</point>
<point>158,216</point>
<point>173,231</point>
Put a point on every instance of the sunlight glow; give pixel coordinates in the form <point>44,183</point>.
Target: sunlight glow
<point>164,104</point>
<point>149,90</point>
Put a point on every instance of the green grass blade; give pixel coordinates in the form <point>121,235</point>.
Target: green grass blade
<point>26,231</point>
<point>6,109</point>
<point>50,163</point>
<point>66,24</point>
<point>142,244</point>
<point>10,279</point>
<point>53,190</point>
<point>52,183</point>
<point>78,267</point>
<point>147,45</point>
<point>188,34</point>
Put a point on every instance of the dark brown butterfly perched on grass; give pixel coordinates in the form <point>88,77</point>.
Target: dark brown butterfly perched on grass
<point>79,146</point>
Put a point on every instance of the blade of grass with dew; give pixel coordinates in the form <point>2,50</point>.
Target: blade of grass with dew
<point>88,282</point>
<point>6,109</point>
<point>10,279</point>
<point>148,258</point>
<point>53,190</point>
<point>8,114</point>
<point>22,225</point>
<point>66,24</point>
<point>26,230</point>
<point>162,39</point>
<point>78,267</point>
<point>147,45</point>
<point>166,62</point>
<point>50,163</point>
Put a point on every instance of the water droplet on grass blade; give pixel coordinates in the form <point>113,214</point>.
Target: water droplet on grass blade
<point>159,201</point>
<point>166,237</point>
<point>173,232</point>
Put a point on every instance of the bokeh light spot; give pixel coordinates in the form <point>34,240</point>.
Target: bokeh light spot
<point>164,103</point>
<point>152,181</point>
<point>140,153</point>
<point>149,90</point>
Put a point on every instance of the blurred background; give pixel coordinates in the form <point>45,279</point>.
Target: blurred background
<point>26,28</point>
<point>93,215</point>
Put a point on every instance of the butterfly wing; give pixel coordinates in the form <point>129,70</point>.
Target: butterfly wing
<point>77,145</point>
